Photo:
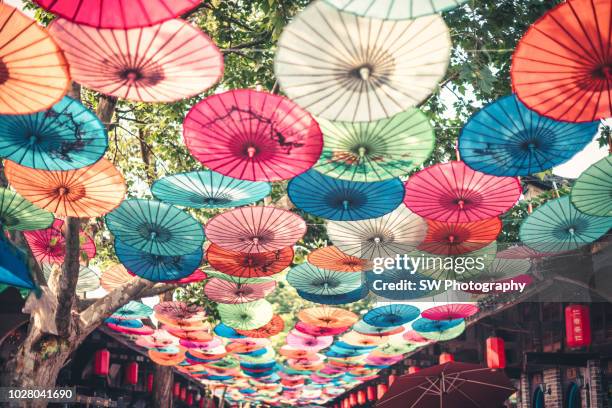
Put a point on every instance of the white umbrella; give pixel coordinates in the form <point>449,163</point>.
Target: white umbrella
<point>395,9</point>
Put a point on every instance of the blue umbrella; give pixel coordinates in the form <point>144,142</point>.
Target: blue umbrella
<point>391,315</point>
<point>131,323</point>
<point>257,366</point>
<point>133,310</point>
<point>67,136</point>
<point>157,268</point>
<point>344,200</point>
<point>223,330</point>
<point>155,227</point>
<point>208,189</point>
<point>310,279</point>
<point>346,346</point>
<point>340,299</point>
<point>14,269</point>
<point>439,330</point>
<point>505,138</point>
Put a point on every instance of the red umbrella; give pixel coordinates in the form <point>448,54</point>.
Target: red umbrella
<point>450,311</point>
<point>253,135</point>
<point>455,239</point>
<point>272,328</point>
<point>164,63</point>
<point>197,276</point>
<point>255,229</point>
<point>562,67</point>
<point>450,385</point>
<point>49,245</point>
<point>453,192</point>
<point>222,291</point>
<point>118,14</point>
<point>249,265</point>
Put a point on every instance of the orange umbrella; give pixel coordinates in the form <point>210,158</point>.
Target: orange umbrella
<point>166,359</point>
<point>191,335</point>
<point>292,352</point>
<point>357,339</point>
<point>325,316</point>
<point>332,258</point>
<point>33,71</point>
<point>91,191</point>
<point>274,327</point>
<point>114,277</point>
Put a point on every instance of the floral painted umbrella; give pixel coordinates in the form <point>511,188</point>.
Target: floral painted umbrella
<point>255,229</point>
<point>331,257</point>
<point>115,276</point>
<point>272,328</point>
<point>163,63</point>
<point>394,9</point>
<point>246,316</point>
<point>87,192</point>
<point>592,191</point>
<point>378,150</point>
<point>18,214</point>
<point>506,138</point>
<point>14,270</point>
<point>252,135</point>
<point>310,279</point>
<point>391,315</point>
<point>398,232</point>
<point>88,280</point>
<point>222,291</point>
<point>449,239</point>
<point>558,226</point>
<point>439,330</point>
<point>42,81</point>
<point>343,200</point>
<point>49,245</point>
<point>66,136</point>
<point>327,65</point>
<point>453,192</point>
<point>133,310</point>
<point>96,13</point>
<point>157,268</point>
<point>561,68</point>
<point>327,317</point>
<point>208,189</point>
<point>249,265</point>
<point>450,311</point>
<point>155,227</point>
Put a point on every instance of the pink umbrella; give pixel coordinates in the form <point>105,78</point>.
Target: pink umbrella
<point>306,342</point>
<point>453,192</point>
<point>157,339</point>
<point>255,229</point>
<point>117,13</point>
<point>253,135</point>
<point>135,331</point>
<point>204,346</point>
<point>319,331</point>
<point>223,291</point>
<point>49,245</point>
<point>412,336</point>
<point>450,311</point>
<point>380,360</point>
<point>164,63</point>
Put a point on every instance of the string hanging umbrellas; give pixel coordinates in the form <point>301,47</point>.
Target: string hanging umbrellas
<point>561,67</point>
<point>331,257</point>
<point>310,279</point>
<point>391,315</point>
<point>255,229</point>
<point>592,191</point>
<point>18,214</point>
<point>87,192</point>
<point>249,265</point>
<point>158,339</point>
<point>394,10</point>
<point>450,239</point>
<point>505,138</point>
<point>252,135</point>
<point>453,192</point>
<point>222,291</point>
<point>246,316</point>
<point>343,200</point>
<point>338,74</point>
<point>163,63</point>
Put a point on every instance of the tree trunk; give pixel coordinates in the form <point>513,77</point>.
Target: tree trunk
<point>163,379</point>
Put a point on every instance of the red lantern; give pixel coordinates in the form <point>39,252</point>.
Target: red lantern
<point>391,379</point>
<point>190,399</point>
<point>577,326</point>
<point>371,393</point>
<point>202,403</point>
<point>352,400</point>
<point>150,382</point>
<point>496,353</point>
<point>413,369</point>
<point>176,391</point>
<point>183,393</point>
<point>131,373</point>
<point>361,397</point>
<point>446,358</point>
<point>101,362</point>
<point>381,389</point>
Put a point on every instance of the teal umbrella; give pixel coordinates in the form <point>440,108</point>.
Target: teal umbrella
<point>155,227</point>
<point>16,213</point>
<point>208,189</point>
<point>592,193</point>
<point>133,310</point>
<point>439,330</point>
<point>14,269</point>
<point>310,279</point>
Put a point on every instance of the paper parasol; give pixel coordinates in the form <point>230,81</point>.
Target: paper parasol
<point>272,328</point>
<point>451,239</point>
<point>391,315</point>
<point>592,191</point>
<point>331,257</point>
<point>115,276</point>
<point>246,316</point>
<point>394,9</point>
<point>310,279</point>
<point>249,265</point>
<point>450,311</point>
<point>88,280</point>
<point>319,331</point>
<point>166,359</point>
<point>325,316</point>
<point>133,310</point>
<point>14,270</point>
<point>178,310</point>
<point>49,245</point>
<point>306,342</point>
<point>222,291</point>
<point>159,339</point>
<point>439,330</point>
<point>18,214</point>
<point>339,299</point>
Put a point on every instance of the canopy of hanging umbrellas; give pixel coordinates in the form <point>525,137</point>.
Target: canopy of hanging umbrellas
<point>346,136</point>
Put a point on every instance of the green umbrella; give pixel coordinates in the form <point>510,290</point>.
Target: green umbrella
<point>558,226</point>
<point>88,280</point>
<point>464,266</point>
<point>16,213</point>
<point>592,193</point>
<point>246,316</point>
<point>375,151</point>
<point>317,281</point>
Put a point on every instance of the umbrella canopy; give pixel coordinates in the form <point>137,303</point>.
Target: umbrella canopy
<point>252,135</point>
<point>558,226</point>
<point>391,315</point>
<point>413,337</point>
<point>66,136</point>
<point>398,232</point>
<point>444,238</point>
<point>378,150</point>
<point>222,291</point>
<point>506,138</point>
<point>178,310</point>
<point>249,265</point>
<point>449,385</point>
<point>310,279</point>
<point>331,257</point>
<point>133,310</point>
<point>327,317</point>
<point>453,192</point>
<point>207,189</point>
<point>87,192</point>
<point>118,14</point>
<point>592,191</point>
<point>246,316</point>
<point>319,331</point>
<point>14,269</point>
<point>115,276</point>
<point>343,200</point>
<point>157,228</point>
<point>255,229</point>
<point>439,330</point>
<point>88,280</point>
<point>18,214</point>
<point>306,342</point>
<point>157,268</point>
<point>450,311</point>
<point>33,71</point>
<point>272,328</point>
<point>394,10</point>
<point>163,63</point>
<point>49,245</point>
<point>197,276</point>
<point>166,359</point>
<point>325,63</point>
<point>561,67</point>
